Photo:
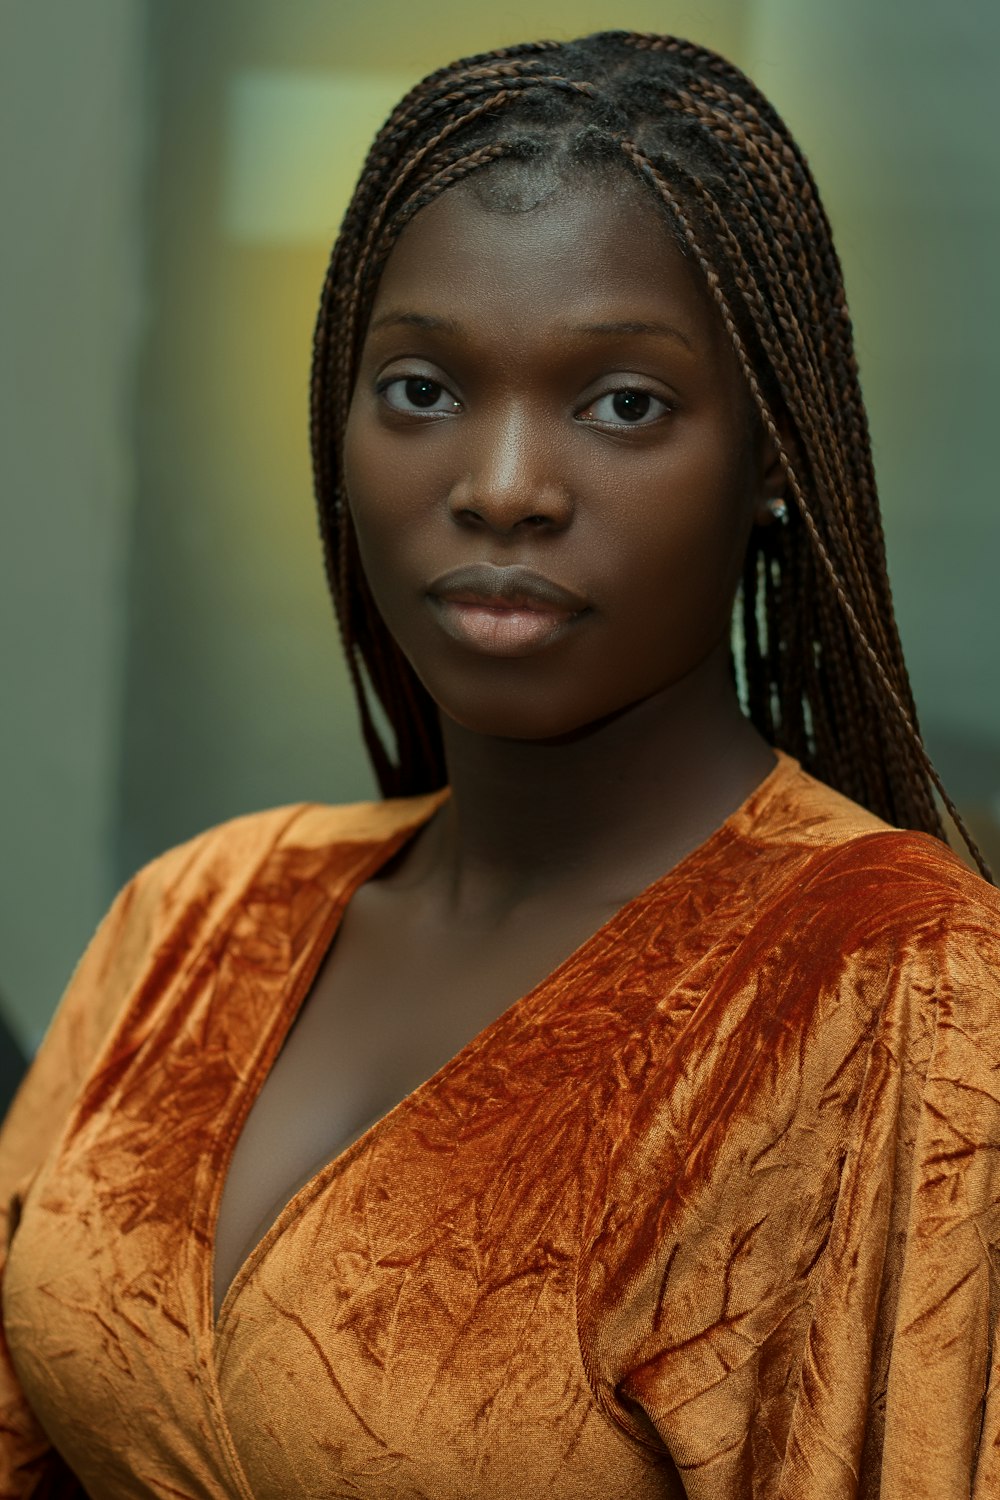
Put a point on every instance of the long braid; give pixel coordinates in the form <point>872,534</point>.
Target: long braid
<point>802,403</point>
<point>822,666</point>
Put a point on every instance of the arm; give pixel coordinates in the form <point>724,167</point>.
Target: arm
<point>796,1291</point>
<point>100,987</point>
<point>902,1361</point>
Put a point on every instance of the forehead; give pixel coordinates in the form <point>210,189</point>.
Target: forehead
<point>588,253</point>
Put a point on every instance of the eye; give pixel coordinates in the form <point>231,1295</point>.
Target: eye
<point>415,393</point>
<point>625,408</point>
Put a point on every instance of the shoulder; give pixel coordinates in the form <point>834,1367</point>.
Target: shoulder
<point>177,903</point>
<point>837,906</point>
<point>228,855</point>
<point>833,851</point>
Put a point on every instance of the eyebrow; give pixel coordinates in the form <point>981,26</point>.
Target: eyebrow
<point>625,326</point>
<point>417,320</point>
<point>630,325</point>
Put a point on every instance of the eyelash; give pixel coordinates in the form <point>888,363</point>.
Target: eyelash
<point>383,388</point>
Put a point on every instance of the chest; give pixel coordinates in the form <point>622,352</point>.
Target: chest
<point>393,1003</point>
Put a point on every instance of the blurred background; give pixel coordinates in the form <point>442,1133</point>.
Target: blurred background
<point>173,173</point>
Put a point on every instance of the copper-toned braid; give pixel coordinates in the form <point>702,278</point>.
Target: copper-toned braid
<point>801,402</point>
<point>822,667</point>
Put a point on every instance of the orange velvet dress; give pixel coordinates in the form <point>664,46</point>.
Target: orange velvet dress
<point>726,1186</point>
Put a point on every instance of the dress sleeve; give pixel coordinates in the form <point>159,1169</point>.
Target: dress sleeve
<point>99,988</point>
<point>806,1305</point>
<point>899,1389</point>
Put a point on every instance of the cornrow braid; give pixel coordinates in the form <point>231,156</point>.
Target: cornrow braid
<point>820,661</point>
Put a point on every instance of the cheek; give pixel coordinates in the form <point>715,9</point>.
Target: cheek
<point>392,475</point>
<point>380,494</point>
<point>371,472</point>
<point>685,525</point>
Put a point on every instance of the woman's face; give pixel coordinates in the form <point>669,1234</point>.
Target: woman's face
<point>550,459</point>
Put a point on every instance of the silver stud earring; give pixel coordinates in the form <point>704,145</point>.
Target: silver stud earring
<point>778,509</point>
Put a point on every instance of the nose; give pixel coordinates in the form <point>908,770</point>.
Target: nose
<point>511,480</point>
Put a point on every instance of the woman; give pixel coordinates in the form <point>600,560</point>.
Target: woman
<point>710,1210</point>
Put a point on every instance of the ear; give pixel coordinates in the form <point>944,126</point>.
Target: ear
<point>772,503</point>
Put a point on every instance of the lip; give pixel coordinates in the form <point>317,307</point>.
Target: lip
<point>504,611</point>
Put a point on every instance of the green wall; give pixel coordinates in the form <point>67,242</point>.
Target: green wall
<point>73,115</point>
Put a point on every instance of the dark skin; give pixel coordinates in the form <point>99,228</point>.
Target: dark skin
<point>552,388</point>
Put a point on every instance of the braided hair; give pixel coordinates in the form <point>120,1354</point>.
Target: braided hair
<point>818,655</point>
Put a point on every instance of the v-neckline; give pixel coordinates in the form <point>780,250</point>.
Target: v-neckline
<point>295,995</point>
<point>292,998</point>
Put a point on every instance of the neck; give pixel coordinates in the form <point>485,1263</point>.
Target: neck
<point>610,807</point>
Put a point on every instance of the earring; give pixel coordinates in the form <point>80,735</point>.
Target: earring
<point>778,509</point>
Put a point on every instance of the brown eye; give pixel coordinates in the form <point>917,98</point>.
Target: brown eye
<point>416,393</point>
<point>625,407</point>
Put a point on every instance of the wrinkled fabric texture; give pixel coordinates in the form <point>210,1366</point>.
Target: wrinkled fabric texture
<point>724,1187</point>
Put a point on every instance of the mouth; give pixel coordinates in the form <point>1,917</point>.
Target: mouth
<point>504,611</point>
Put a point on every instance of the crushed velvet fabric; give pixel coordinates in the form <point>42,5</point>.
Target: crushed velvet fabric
<point>725,1186</point>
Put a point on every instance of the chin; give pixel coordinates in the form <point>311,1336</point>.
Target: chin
<point>520,712</point>
<point>495,722</point>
